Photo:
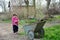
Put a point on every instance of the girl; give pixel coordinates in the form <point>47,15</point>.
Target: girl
<point>15,23</point>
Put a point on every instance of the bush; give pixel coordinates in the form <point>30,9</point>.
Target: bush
<point>31,21</point>
<point>52,33</point>
<point>57,17</point>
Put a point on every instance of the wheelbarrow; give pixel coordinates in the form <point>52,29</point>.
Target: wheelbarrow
<point>35,30</point>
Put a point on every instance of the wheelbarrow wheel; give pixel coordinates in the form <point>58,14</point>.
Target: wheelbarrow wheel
<point>31,35</point>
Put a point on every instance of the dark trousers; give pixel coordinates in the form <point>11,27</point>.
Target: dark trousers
<point>15,28</point>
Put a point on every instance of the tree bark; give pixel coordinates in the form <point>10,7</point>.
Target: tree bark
<point>27,6</point>
<point>48,3</point>
<point>34,7</point>
<point>4,6</point>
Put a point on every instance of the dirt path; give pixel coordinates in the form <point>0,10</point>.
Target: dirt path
<point>49,24</point>
<point>7,34</point>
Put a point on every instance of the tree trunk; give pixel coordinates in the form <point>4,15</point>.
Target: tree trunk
<point>4,6</point>
<point>34,7</point>
<point>48,3</point>
<point>27,6</point>
<point>59,3</point>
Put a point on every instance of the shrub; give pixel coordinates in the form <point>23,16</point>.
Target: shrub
<point>52,33</point>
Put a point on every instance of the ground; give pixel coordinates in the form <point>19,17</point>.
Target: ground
<point>6,33</point>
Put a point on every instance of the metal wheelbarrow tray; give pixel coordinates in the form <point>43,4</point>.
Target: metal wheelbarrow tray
<point>35,30</point>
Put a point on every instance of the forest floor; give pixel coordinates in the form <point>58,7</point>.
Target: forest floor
<point>6,32</point>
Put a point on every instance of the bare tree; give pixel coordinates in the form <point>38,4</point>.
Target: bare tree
<point>34,7</point>
<point>48,3</point>
<point>20,2</point>
<point>27,6</point>
<point>59,3</point>
<point>4,5</point>
<point>53,3</point>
